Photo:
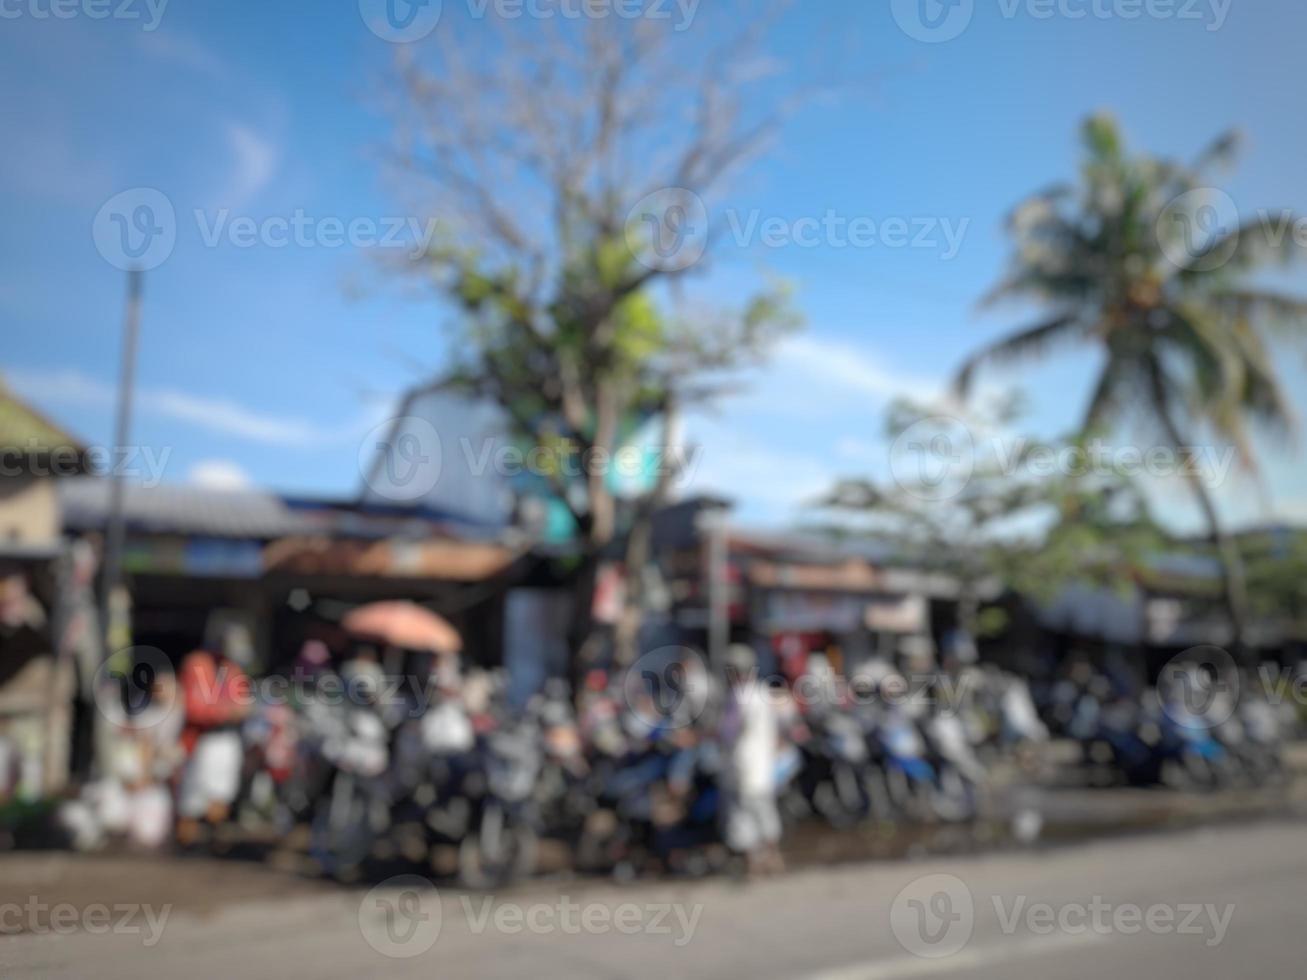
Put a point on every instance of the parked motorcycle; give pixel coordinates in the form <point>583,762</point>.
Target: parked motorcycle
<point>959,774</point>
<point>503,833</point>
<point>832,781</point>
<point>356,793</point>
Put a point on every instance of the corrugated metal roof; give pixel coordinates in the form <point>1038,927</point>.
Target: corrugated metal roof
<point>814,547</point>
<point>181,509</point>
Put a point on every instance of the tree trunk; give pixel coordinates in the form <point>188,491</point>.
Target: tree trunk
<point>639,546</point>
<point>597,528</point>
<point>584,639</point>
<point>1234,589</point>
<point>1234,586</point>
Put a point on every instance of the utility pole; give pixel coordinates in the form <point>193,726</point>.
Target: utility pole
<point>115,532</point>
<point>714,523</point>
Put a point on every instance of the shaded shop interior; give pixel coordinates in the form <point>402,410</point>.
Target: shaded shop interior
<point>793,595</point>
<point>289,568</point>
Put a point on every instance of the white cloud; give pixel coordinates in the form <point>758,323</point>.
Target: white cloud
<point>819,378</point>
<point>218,415</point>
<point>255,163</point>
<point>853,369</point>
<point>219,474</point>
<point>64,387</point>
<point>812,414</point>
<point>770,482</point>
<point>254,157</point>
<point>232,418</point>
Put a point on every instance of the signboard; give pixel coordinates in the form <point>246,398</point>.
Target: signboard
<point>897,614</point>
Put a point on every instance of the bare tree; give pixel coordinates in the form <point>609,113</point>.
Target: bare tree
<point>573,168</point>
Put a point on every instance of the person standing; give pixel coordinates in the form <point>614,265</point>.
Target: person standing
<point>751,733</point>
<point>216,694</point>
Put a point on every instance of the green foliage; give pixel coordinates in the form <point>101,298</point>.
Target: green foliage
<point>1119,263</point>
<point>1011,524</point>
<point>1277,575</point>
<point>1139,262</point>
<point>583,359</point>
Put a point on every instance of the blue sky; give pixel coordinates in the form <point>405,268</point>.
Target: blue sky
<point>271,364</point>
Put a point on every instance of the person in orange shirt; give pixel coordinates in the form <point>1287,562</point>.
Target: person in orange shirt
<point>217,698</point>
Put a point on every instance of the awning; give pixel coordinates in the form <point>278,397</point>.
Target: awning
<point>447,560</point>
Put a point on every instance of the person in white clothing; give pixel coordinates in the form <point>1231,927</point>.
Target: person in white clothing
<point>751,730</point>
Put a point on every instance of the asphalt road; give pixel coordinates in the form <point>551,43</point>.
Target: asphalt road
<point>1206,903</point>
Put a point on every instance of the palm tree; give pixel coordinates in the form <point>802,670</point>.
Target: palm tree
<point>1133,261</point>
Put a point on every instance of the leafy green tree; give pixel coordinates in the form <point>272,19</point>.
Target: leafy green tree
<point>1138,262</point>
<point>571,167</point>
<point>1014,516</point>
<point>1277,571</point>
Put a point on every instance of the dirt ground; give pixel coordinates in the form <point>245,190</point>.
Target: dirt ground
<point>268,871</point>
<point>205,885</point>
<point>198,885</point>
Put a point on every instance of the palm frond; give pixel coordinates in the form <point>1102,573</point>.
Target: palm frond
<point>1282,313</point>
<point>1106,401</point>
<point>1263,396</point>
<point>1030,342</point>
<point>1221,152</point>
<point>1252,245</point>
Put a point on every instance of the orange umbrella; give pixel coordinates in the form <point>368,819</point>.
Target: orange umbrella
<point>403,624</point>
